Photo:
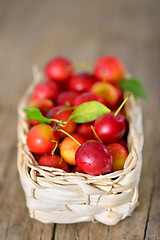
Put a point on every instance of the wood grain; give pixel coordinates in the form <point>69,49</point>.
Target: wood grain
<point>34,31</point>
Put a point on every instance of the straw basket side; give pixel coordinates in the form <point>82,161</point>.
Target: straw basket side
<point>54,196</point>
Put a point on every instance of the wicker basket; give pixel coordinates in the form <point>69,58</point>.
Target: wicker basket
<point>54,196</point>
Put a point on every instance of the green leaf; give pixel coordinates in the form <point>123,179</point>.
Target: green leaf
<point>134,86</point>
<point>35,114</point>
<point>88,111</point>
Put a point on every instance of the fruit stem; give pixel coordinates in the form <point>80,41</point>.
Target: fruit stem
<point>60,161</point>
<point>62,123</point>
<point>65,109</point>
<point>95,134</point>
<point>55,120</point>
<point>54,149</point>
<point>56,127</point>
<point>122,104</point>
<point>61,130</point>
<point>67,103</point>
<point>104,78</point>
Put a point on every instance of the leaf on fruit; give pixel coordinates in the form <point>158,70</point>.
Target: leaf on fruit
<point>35,114</point>
<point>134,86</point>
<point>88,111</point>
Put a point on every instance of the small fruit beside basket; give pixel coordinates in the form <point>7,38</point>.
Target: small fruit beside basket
<point>80,140</point>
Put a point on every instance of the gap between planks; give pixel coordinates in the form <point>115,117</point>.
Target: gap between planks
<point>149,209</point>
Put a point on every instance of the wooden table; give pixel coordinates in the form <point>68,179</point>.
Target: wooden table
<point>34,31</point>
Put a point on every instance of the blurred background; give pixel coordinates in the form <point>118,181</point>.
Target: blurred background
<point>35,31</point>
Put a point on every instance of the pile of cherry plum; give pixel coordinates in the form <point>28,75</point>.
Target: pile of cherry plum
<point>87,146</point>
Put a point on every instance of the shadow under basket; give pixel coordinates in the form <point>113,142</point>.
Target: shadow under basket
<point>54,196</point>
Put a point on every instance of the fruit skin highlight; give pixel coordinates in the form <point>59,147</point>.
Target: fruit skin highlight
<point>93,158</point>
<point>58,69</point>
<point>119,155</point>
<point>68,148</point>
<point>110,128</point>
<point>40,139</point>
<point>111,67</point>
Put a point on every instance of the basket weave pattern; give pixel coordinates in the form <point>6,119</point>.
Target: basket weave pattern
<point>54,196</point>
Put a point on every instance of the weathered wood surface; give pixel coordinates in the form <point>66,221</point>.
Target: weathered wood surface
<point>32,32</point>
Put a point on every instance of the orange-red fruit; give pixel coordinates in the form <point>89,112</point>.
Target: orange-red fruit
<point>55,161</point>
<point>110,128</point>
<point>81,82</point>
<point>111,67</point>
<point>110,93</point>
<point>119,94</point>
<point>85,130</point>
<point>76,169</point>
<point>40,137</point>
<point>46,89</point>
<point>119,155</point>
<point>94,158</point>
<point>44,105</point>
<point>58,69</point>
<point>66,98</point>
<point>68,148</point>
<point>60,113</point>
<point>87,97</point>
<point>123,143</point>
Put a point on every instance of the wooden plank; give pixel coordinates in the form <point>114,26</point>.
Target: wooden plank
<point>135,226</point>
<point>152,230</point>
<point>15,222</point>
<point>14,219</point>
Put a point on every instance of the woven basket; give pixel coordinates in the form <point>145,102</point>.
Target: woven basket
<point>54,196</point>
